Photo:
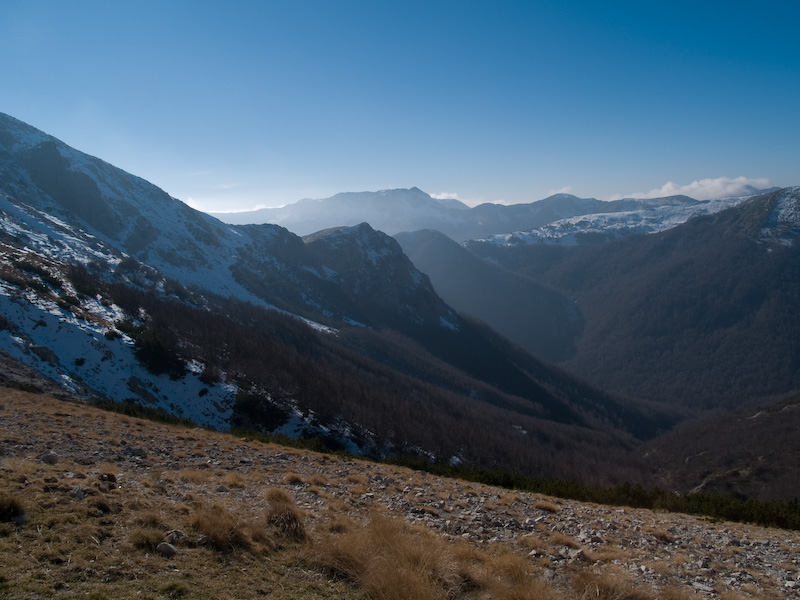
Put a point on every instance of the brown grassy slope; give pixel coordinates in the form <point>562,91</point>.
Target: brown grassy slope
<point>86,497</point>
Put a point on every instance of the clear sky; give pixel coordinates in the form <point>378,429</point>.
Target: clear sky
<point>233,105</point>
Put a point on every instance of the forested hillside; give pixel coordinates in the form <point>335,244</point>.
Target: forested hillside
<point>703,315</point>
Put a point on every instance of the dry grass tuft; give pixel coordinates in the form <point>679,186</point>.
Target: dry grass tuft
<point>340,525</point>
<point>220,529</point>
<point>195,476</point>
<point>151,518</point>
<point>146,538</point>
<point>675,592</point>
<point>233,479</point>
<point>22,469</point>
<point>660,534</point>
<point>284,516</point>
<point>608,554</point>
<point>559,539</point>
<point>294,478</point>
<point>546,506</point>
<point>509,499</point>
<point>524,588</point>
<point>389,560</point>
<point>318,479</point>
<point>612,584</point>
<point>107,468</point>
<point>358,478</point>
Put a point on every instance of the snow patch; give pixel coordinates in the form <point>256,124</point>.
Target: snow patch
<point>647,220</point>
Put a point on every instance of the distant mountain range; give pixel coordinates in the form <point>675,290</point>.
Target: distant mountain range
<point>703,314</point>
<point>438,342</point>
<point>111,288</point>
<point>556,219</point>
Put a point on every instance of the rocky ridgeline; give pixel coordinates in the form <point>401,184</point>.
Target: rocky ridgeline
<point>659,549</point>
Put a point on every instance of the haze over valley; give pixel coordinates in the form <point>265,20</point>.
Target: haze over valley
<point>554,355</point>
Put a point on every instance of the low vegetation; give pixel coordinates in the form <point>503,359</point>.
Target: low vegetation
<point>274,522</point>
<point>770,513</point>
<point>729,508</point>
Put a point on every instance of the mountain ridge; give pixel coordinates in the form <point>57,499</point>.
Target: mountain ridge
<point>332,337</point>
<point>407,210</point>
<point>718,285</point>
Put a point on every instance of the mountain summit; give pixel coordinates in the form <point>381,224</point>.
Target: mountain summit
<point>389,211</point>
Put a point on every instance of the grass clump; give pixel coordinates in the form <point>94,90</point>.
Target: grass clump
<point>388,559</point>
<point>391,561</point>
<point>546,506</point>
<point>612,584</point>
<point>219,529</point>
<point>175,590</point>
<point>284,516</point>
<point>146,538</point>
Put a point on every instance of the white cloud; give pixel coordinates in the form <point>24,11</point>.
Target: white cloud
<point>567,189</point>
<point>704,189</point>
<point>468,201</point>
<point>195,204</point>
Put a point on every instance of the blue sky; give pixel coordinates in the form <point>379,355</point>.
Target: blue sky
<point>234,105</point>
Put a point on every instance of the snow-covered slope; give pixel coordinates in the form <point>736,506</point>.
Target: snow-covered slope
<point>121,210</point>
<point>647,217</point>
<point>81,354</point>
<point>70,337</point>
<point>60,207</point>
<point>262,264</point>
<point>783,224</point>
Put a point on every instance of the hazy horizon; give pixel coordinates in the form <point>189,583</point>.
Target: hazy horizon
<point>236,107</point>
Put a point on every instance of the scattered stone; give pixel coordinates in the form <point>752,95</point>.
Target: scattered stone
<point>576,555</point>
<point>175,536</point>
<point>765,561</point>
<point>135,452</point>
<point>166,550</point>
<point>49,457</point>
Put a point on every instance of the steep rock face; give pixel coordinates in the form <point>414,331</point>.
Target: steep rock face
<point>380,278</point>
